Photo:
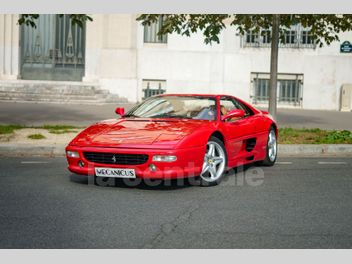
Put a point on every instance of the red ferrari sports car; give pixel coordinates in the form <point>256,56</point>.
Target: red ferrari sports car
<point>176,135</point>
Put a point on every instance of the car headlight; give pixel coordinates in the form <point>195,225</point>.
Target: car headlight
<point>164,158</point>
<point>72,154</point>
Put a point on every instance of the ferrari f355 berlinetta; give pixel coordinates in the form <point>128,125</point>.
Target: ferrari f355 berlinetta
<point>175,136</point>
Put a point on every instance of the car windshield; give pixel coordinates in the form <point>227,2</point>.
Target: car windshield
<point>190,107</point>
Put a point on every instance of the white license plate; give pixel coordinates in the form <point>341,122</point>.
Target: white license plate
<point>115,173</point>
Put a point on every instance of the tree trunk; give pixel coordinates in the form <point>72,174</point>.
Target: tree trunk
<point>273,65</point>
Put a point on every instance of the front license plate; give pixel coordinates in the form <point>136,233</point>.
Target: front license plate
<point>115,173</point>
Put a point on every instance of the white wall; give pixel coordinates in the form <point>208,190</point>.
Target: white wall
<point>9,49</point>
<point>111,54</point>
<point>189,65</point>
<point>119,60</point>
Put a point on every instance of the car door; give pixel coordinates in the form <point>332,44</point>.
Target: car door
<point>239,132</point>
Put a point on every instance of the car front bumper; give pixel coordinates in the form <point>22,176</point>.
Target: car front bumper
<point>188,164</point>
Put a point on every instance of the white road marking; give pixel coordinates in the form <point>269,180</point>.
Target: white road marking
<point>34,162</point>
<point>332,162</point>
<point>284,162</point>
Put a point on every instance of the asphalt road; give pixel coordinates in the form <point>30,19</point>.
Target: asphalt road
<point>299,203</point>
<point>38,114</point>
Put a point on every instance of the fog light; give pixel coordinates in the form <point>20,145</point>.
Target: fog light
<point>81,164</point>
<point>164,158</point>
<point>152,167</point>
<point>72,154</point>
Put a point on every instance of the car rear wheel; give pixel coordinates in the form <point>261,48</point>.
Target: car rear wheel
<point>271,149</point>
<point>215,161</point>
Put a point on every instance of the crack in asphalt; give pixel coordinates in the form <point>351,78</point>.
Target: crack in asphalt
<point>169,227</point>
<point>273,234</point>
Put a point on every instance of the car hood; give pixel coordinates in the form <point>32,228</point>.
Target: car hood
<point>137,133</point>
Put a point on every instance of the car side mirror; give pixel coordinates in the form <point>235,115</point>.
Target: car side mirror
<point>120,111</point>
<point>233,113</point>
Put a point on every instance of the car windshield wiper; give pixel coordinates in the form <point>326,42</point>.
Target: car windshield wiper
<point>171,116</point>
<point>179,116</point>
<point>130,115</point>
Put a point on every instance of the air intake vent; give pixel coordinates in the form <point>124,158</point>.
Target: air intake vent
<point>114,158</point>
<point>250,144</point>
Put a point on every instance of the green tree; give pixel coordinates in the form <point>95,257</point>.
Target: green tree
<point>324,30</point>
<point>31,19</point>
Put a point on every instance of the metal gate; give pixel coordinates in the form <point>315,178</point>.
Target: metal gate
<point>54,50</point>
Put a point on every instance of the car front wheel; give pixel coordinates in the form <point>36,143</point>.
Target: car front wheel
<point>214,165</point>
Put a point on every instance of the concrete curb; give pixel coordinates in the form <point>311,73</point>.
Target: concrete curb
<point>315,150</point>
<point>304,150</point>
<point>26,150</point>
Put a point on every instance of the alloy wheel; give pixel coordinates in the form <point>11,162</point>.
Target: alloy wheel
<point>272,145</point>
<point>214,162</point>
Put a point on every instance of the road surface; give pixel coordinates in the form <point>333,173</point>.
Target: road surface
<point>299,203</point>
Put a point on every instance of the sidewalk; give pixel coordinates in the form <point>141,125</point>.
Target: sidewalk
<point>83,115</point>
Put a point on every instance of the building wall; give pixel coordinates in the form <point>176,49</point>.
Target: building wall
<point>111,54</point>
<point>189,66</point>
<point>118,59</point>
<point>9,48</point>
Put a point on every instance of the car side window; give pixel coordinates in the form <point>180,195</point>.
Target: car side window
<point>244,108</point>
<point>228,104</point>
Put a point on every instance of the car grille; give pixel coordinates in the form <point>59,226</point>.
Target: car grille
<point>122,159</point>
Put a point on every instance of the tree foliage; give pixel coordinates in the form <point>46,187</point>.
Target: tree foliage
<point>31,19</point>
<point>324,28</point>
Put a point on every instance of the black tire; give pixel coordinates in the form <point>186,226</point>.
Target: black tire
<point>206,183</point>
<point>269,161</point>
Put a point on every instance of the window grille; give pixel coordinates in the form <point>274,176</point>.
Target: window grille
<point>153,87</point>
<point>296,37</point>
<point>289,88</point>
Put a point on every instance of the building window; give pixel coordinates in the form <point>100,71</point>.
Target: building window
<point>153,87</point>
<point>252,37</point>
<point>289,88</point>
<point>266,35</point>
<point>288,91</point>
<point>290,37</point>
<point>306,37</point>
<point>261,89</point>
<point>257,38</point>
<point>296,37</point>
<point>151,32</point>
